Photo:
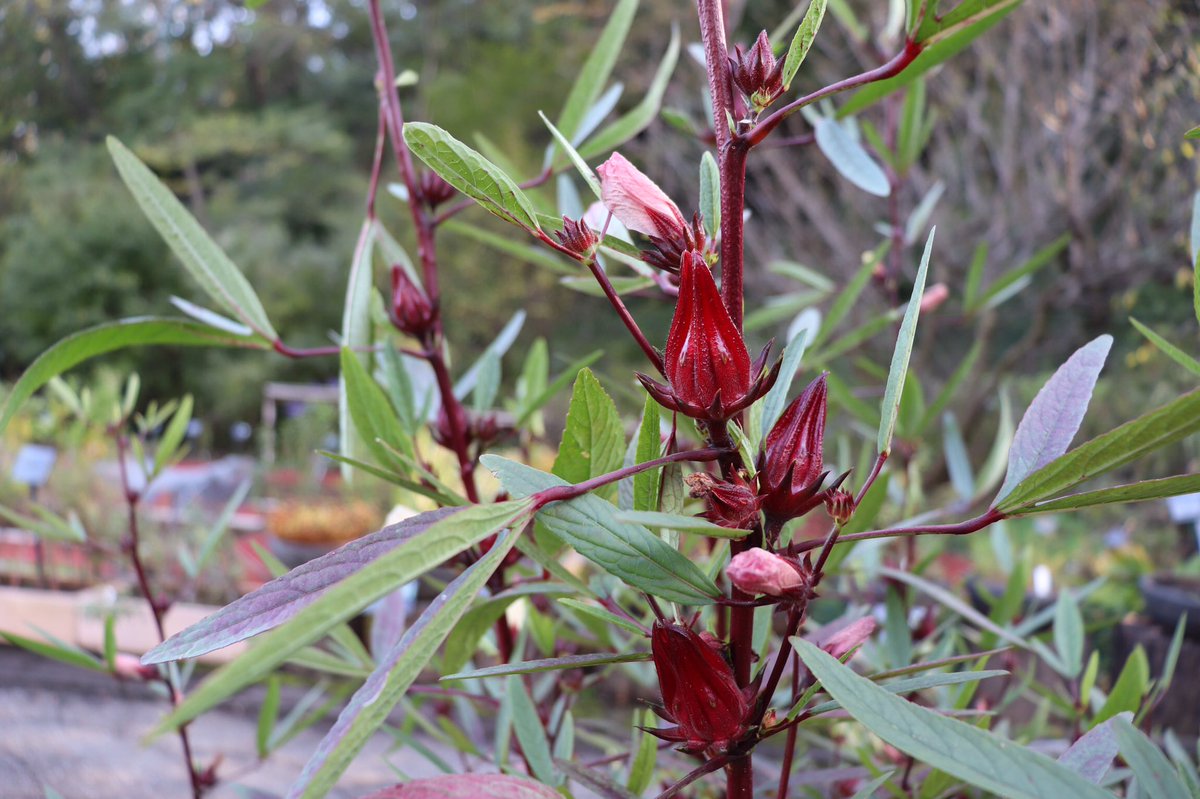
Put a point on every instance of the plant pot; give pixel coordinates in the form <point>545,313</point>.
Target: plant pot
<point>1168,597</point>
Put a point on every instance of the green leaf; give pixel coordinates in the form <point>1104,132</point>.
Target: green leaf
<point>438,493</point>
<point>535,402</point>
<point>848,156</point>
<point>1194,133</point>
<point>549,664</point>
<point>1092,755</point>
<point>356,334</point>
<point>480,618</point>
<point>108,337</point>
<point>680,522</point>
<point>487,382</point>
<point>1170,350</point>
<point>934,54</point>
<point>911,685</point>
<point>268,715</point>
<point>1156,776</point>
<point>202,257</point>
<point>964,15</point>
<point>593,440</point>
<point>48,526</point>
<point>606,616</point>
<point>1010,278</point>
<point>803,40</point>
<point>597,68</point>
<point>530,733</point>
<point>848,297</point>
<point>640,116</point>
<point>904,344</point>
<point>1130,687</point>
<point>1134,492</point>
<point>777,397</point>
<point>172,437</point>
<point>969,753</point>
<point>369,707</point>
<point>710,193</point>
<point>1154,430</point>
<point>470,173</point>
<point>1068,635</point>
<point>951,602</point>
<point>374,419</point>
<point>585,171</point>
<point>641,769</point>
<point>72,656</point>
<point>649,447</point>
<point>440,541</point>
<point>629,551</point>
<point>975,275</point>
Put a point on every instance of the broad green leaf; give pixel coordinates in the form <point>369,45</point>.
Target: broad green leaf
<point>585,171</point>
<point>1068,634</point>
<point>356,334</point>
<point>1170,350</point>
<point>904,344</point>
<point>597,68</point>
<point>710,193</point>
<point>1134,492</point>
<point>629,551</point>
<point>848,156</point>
<point>593,440</point>
<point>934,54</point>
<point>373,417</point>
<point>640,116</point>
<point>373,701</point>
<point>676,521</point>
<point>108,337</point>
<point>470,173</point>
<point>777,398</point>
<point>1129,689</point>
<point>1092,755</point>
<point>649,447</point>
<point>204,259</point>
<point>1156,776</point>
<point>370,581</point>
<point>967,752</point>
<point>530,733</point>
<point>803,40</point>
<point>1054,416</point>
<point>549,664</point>
<point>1154,430</point>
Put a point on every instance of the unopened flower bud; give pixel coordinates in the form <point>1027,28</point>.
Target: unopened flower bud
<point>637,200</point>
<point>699,692</point>
<point>129,667</point>
<point>851,636</point>
<point>839,504</point>
<point>733,504</point>
<point>434,189</point>
<point>443,430</point>
<point>708,370</point>
<point>757,571</point>
<point>576,236</point>
<point>934,296</point>
<point>411,311</point>
<point>791,459</point>
<point>757,73</point>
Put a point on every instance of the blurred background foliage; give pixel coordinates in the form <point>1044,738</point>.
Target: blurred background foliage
<point>1068,117</point>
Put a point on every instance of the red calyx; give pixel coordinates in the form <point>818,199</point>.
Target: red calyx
<point>576,236</point>
<point>789,465</point>
<point>757,73</point>
<point>411,311</point>
<point>699,692</point>
<point>434,189</point>
<point>733,504</point>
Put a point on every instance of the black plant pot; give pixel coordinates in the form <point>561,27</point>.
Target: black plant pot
<point>1168,597</point>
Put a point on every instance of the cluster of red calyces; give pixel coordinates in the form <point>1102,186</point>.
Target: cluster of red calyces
<point>757,73</point>
<point>641,205</point>
<point>709,372</point>
<point>700,695</point>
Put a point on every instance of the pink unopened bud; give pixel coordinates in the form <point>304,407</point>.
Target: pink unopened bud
<point>791,459</point>
<point>708,370</point>
<point>757,571</point>
<point>934,296</point>
<point>637,200</point>
<point>699,692</point>
<point>757,73</point>
<point>411,312</point>
<point>129,667</point>
<point>849,637</point>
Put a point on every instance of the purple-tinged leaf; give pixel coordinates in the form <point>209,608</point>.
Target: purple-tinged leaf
<point>395,672</point>
<point>1055,414</point>
<point>284,597</point>
<point>468,786</point>
<point>1092,755</point>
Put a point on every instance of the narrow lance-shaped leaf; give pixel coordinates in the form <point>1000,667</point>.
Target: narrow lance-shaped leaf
<point>803,40</point>
<point>710,193</point>
<point>374,420</point>
<point>365,583</point>
<point>776,399</point>
<point>890,409</point>
<point>1055,414</point>
<point>597,68</point>
<point>1134,492</point>
<point>962,750</point>
<point>470,173</point>
<point>356,334</point>
<point>204,259</point>
<point>848,156</point>
<point>109,337</point>
<point>371,704</point>
<point>1170,350</point>
<point>585,171</point>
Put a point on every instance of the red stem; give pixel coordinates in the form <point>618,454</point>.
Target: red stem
<point>618,305</point>
<point>962,528</point>
<point>789,747</point>
<point>454,418</point>
<point>564,493</point>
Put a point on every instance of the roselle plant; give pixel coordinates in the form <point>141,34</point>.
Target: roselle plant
<point>702,561</point>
